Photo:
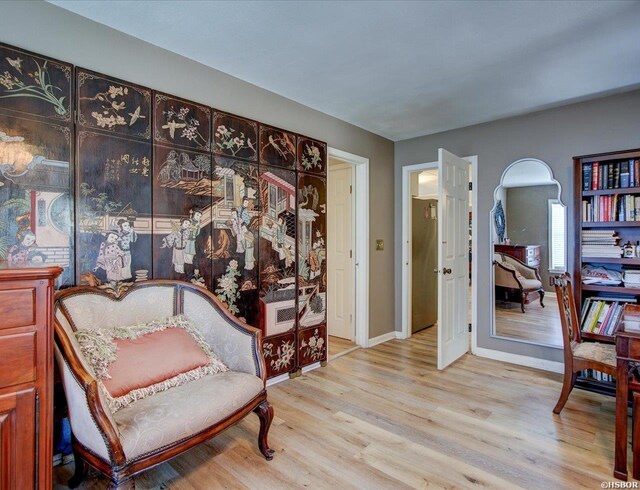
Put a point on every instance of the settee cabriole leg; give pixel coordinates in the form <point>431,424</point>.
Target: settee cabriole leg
<point>129,484</point>
<point>80,471</point>
<point>265,413</point>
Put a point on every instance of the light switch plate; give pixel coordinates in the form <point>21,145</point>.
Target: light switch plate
<point>379,245</point>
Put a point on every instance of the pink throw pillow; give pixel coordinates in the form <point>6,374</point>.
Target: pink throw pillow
<point>153,358</point>
<point>137,361</point>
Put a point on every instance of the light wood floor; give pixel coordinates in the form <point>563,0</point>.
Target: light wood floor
<point>386,418</point>
<point>338,346</point>
<point>540,325</point>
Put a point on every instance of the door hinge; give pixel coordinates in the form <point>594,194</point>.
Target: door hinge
<point>350,318</point>
<point>350,254</point>
<point>350,189</point>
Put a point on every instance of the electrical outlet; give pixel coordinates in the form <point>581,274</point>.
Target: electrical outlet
<point>379,245</point>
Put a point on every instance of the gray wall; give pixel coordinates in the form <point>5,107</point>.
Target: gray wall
<point>52,31</point>
<point>527,218</point>
<point>554,136</point>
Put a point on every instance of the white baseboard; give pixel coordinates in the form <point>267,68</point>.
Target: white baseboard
<point>310,367</point>
<point>533,362</point>
<point>383,338</point>
<point>277,379</point>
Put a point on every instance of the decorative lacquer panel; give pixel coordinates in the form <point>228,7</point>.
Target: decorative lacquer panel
<point>280,354</point>
<point>182,215</point>
<point>168,188</point>
<point>35,86</point>
<point>277,147</point>
<point>278,292</point>
<point>178,122</point>
<point>312,156</point>
<point>312,345</point>
<point>235,137</point>
<point>113,219</point>
<point>36,223</point>
<point>312,250</point>
<point>236,226</point>
<point>112,105</point>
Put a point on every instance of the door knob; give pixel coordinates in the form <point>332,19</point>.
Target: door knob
<point>446,271</point>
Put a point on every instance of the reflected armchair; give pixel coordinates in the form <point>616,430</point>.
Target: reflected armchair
<point>516,281</point>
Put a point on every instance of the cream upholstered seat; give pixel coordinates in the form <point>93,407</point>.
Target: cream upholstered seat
<point>512,275</point>
<point>578,355</point>
<point>153,429</point>
<point>180,412</point>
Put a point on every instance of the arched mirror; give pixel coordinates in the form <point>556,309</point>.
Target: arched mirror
<point>528,244</point>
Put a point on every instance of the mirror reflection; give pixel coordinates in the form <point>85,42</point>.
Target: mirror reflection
<point>528,224</point>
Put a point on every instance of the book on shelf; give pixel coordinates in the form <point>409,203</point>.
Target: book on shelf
<point>618,207</point>
<point>598,376</point>
<point>601,315</point>
<point>615,175</point>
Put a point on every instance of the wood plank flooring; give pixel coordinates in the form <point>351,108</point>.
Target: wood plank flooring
<point>386,418</point>
<point>337,346</point>
<point>540,325</point>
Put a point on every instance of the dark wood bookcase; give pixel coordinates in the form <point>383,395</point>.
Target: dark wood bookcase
<point>627,231</point>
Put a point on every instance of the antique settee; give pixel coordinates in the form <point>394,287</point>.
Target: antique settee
<point>123,443</point>
<point>516,281</point>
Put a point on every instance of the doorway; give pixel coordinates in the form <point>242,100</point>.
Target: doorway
<point>341,266</point>
<point>460,220</point>
<point>347,252</point>
<point>424,250</point>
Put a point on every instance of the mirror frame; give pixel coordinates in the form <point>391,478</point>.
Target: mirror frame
<point>492,290</point>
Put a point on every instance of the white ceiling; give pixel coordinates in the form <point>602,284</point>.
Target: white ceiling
<point>400,68</point>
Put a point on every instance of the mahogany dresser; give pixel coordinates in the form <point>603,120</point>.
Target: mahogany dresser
<point>26,378</point>
<point>528,254</point>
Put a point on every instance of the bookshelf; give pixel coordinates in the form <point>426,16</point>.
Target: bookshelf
<point>607,213</point>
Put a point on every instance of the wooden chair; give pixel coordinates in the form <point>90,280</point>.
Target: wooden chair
<point>578,355</point>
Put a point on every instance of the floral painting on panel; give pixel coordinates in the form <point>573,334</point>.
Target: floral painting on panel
<point>312,156</point>
<point>35,86</point>
<point>181,123</point>
<point>235,137</point>
<point>111,105</point>
<point>277,147</point>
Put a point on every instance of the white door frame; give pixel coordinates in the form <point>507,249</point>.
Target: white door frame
<point>361,239</point>
<point>406,247</point>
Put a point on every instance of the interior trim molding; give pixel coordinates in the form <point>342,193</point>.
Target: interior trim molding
<point>385,337</point>
<point>532,362</point>
<point>361,238</point>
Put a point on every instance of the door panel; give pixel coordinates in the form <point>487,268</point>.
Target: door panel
<point>453,189</point>
<point>341,278</point>
<point>17,440</point>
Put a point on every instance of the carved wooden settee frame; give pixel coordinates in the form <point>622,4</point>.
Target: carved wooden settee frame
<point>118,468</point>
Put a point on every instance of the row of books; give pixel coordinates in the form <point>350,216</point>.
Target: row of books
<point>616,175</point>
<point>602,315</point>
<point>598,376</point>
<point>618,207</point>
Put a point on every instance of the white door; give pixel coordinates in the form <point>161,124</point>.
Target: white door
<point>341,286</point>
<point>453,257</point>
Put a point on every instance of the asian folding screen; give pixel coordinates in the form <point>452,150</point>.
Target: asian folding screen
<point>119,183</point>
